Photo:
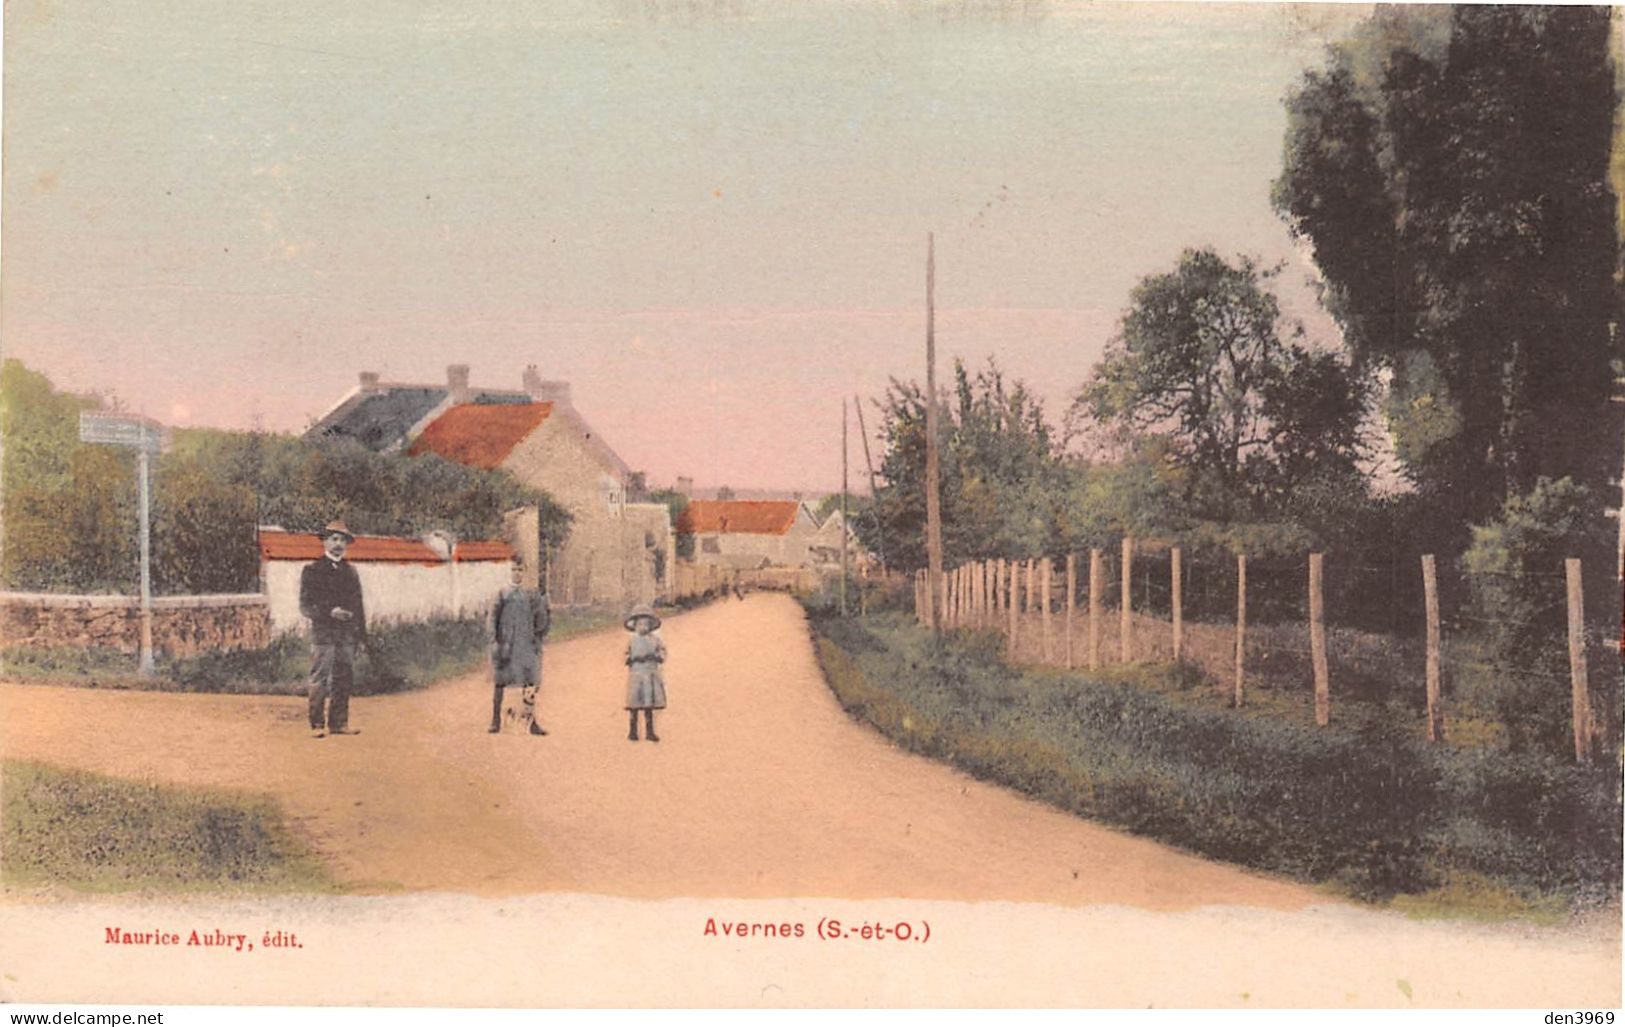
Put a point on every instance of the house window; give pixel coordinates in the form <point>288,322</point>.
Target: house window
<point>711,544</point>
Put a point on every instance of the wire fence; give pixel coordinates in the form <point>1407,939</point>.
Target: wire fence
<point>1476,657</point>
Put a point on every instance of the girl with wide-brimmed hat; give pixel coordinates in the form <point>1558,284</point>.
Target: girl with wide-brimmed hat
<point>645,686</point>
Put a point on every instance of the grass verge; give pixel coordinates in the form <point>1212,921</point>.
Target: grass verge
<point>98,834</point>
<point>1364,808</point>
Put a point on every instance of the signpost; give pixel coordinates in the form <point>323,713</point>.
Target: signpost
<point>146,437</point>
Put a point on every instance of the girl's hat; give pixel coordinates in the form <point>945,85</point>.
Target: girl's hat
<point>641,610</point>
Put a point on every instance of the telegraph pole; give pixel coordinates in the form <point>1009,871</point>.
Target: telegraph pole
<point>933,495</point>
<point>843,508</point>
<point>874,510</point>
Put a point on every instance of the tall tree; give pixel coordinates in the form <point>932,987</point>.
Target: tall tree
<point>1002,482</point>
<point>1200,360</point>
<point>1450,168</point>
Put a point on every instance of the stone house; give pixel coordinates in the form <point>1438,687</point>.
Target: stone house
<point>746,534</point>
<point>618,552</point>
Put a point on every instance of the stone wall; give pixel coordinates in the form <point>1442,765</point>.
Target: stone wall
<point>181,625</point>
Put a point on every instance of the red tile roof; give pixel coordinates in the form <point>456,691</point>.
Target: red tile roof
<point>474,552</point>
<point>738,516</point>
<point>480,435</point>
<point>289,545</point>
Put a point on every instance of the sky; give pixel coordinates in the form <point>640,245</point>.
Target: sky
<point>709,217</point>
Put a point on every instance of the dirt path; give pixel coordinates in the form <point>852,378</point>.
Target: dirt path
<point>761,787</point>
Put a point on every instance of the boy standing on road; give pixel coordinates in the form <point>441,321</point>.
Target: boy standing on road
<point>330,597</point>
<point>518,623</point>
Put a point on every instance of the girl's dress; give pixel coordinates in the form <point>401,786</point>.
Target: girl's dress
<point>645,688</point>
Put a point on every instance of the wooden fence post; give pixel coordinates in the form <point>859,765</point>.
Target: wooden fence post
<point>1125,633</point>
<point>979,579</point>
<point>973,593</point>
<point>987,594</point>
<point>1577,662</point>
<point>959,596</point>
<point>996,596</point>
<point>1177,586</point>
<point>1046,573</point>
<point>1071,602</point>
<point>1317,641</point>
<point>973,608</point>
<point>1015,604</point>
<point>1430,603</point>
<point>1096,573</point>
<point>1241,626</point>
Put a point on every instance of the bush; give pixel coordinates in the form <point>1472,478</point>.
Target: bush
<point>1518,612</point>
<point>204,535</point>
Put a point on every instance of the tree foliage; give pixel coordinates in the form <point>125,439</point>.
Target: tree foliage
<point>1250,417</point>
<point>70,510</point>
<point>1002,482</point>
<point>676,502</point>
<point>1450,168</point>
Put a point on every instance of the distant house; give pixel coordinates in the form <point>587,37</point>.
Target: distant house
<point>826,543</point>
<point>617,552</point>
<point>746,534</point>
<point>402,579</point>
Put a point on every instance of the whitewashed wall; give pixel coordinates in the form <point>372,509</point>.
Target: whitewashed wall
<point>394,592</point>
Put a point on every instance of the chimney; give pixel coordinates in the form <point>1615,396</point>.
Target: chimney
<point>532,381</point>
<point>457,383</point>
<point>547,392</point>
<point>685,486</point>
<point>369,382</point>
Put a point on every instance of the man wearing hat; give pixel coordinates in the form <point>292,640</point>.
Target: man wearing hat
<point>330,596</point>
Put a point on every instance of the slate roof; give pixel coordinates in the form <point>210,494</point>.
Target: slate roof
<point>738,517</point>
<point>378,420</point>
<point>381,419</point>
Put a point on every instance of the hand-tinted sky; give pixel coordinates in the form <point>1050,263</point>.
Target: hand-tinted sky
<point>710,218</point>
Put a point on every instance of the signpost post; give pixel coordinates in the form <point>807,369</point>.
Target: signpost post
<point>146,438</point>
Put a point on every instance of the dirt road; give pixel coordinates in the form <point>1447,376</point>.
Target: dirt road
<point>761,785</point>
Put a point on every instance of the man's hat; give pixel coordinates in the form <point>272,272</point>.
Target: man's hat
<point>641,610</point>
<point>338,528</point>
